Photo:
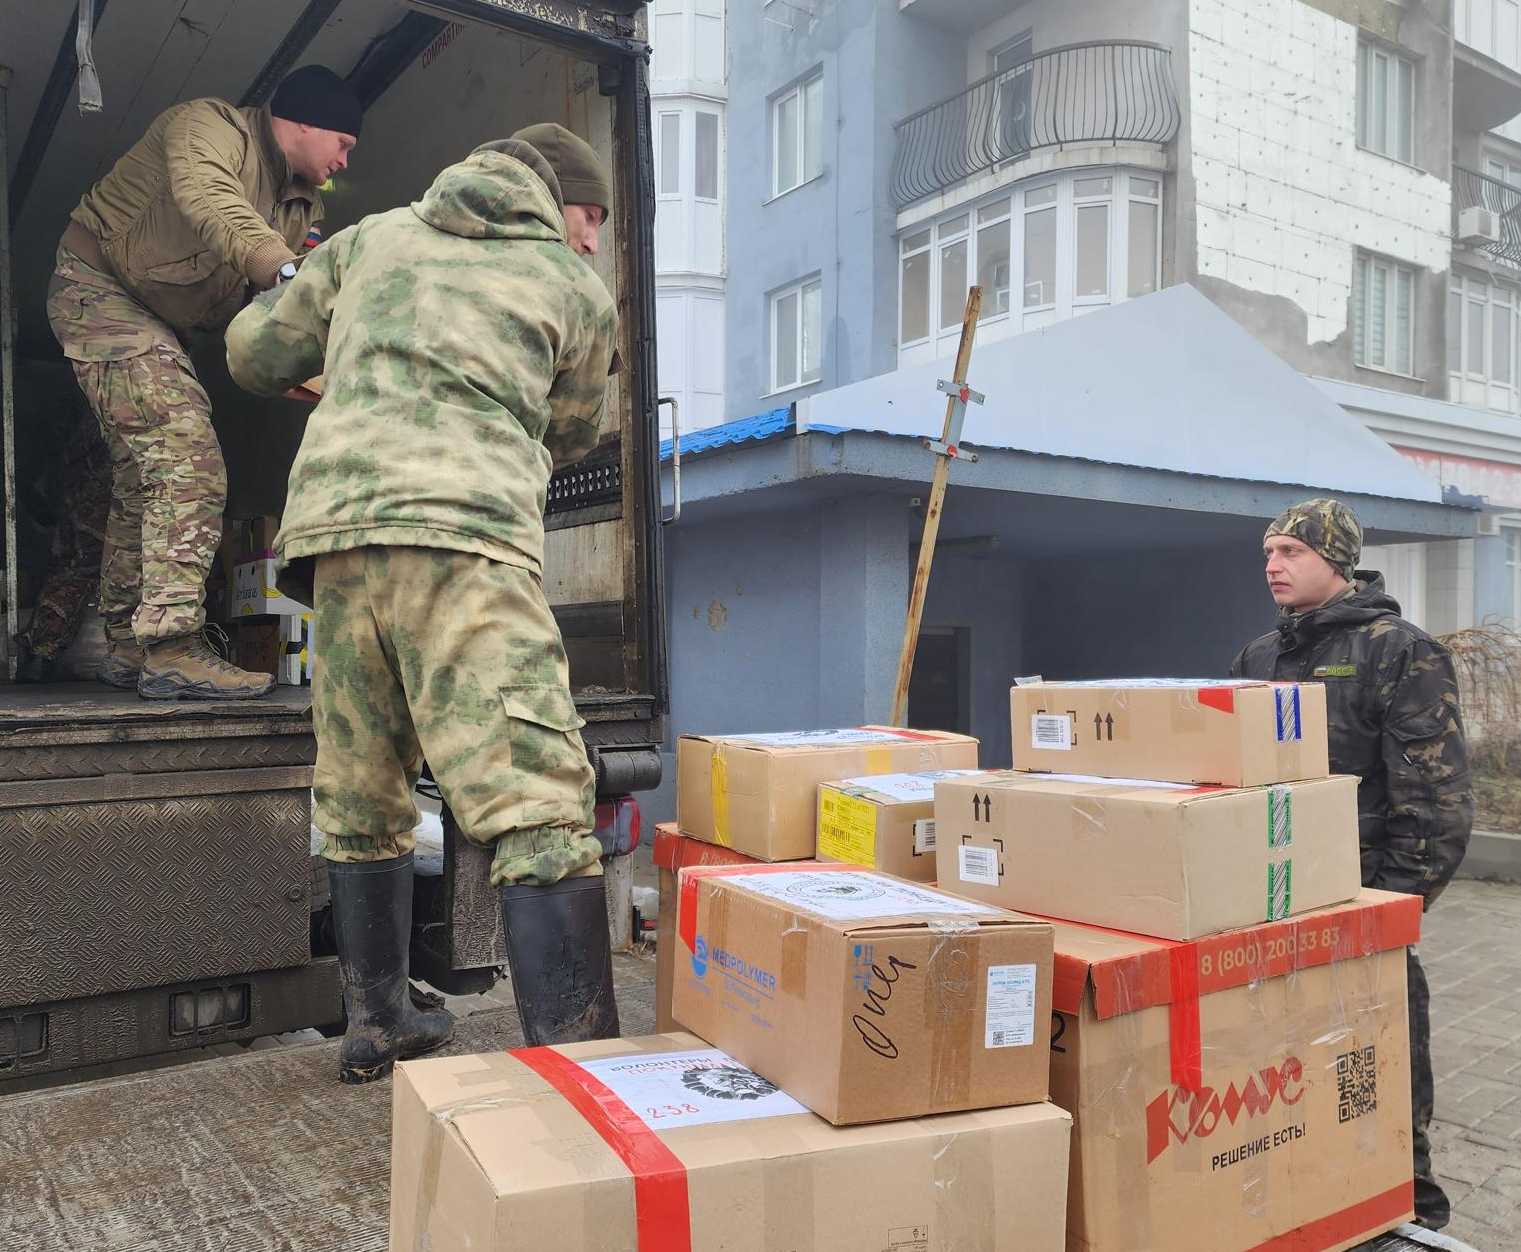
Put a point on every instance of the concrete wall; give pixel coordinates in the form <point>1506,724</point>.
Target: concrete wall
<point>1491,580</point>
<point>1054,23</point>
<point>1280,194</point>
<point>878,66</point>
<point>783,620</point>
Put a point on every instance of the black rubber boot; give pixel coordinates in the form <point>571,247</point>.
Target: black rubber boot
<point>372,918</point>
<point>561,957</point>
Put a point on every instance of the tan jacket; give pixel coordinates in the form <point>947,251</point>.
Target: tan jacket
<point>201,206</point>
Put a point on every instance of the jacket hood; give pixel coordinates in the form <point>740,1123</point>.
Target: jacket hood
<point>497,192</point>
<point>1366,601</point>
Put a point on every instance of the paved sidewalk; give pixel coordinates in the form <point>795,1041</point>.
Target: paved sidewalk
<point>1471,948</point>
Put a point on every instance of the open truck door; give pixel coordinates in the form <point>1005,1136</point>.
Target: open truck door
<point>157,859</point>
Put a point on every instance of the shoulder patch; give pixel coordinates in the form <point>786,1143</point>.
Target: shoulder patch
<point>1334,671</point>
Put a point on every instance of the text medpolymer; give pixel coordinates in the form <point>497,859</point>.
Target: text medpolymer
<point>738,967</point>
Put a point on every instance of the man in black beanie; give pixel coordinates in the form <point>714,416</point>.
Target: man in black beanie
<point>214,202</point>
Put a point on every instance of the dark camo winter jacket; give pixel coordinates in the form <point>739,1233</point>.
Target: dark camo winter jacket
<point>1392,705</point>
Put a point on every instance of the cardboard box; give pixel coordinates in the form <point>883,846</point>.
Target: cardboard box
<point>865,997</point>
<point>886,821</point>
<point>297,650</point>
<point>1237,734</point>
<point>1166,859</point>
<point>673,852</point>
<point>254,593</point>
<point>1270,1107</point>
<point>759,793</point>
<point>662,1144</point>
<point>258,645</point>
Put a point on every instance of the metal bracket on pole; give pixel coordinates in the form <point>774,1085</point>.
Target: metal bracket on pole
<point>961,395</point>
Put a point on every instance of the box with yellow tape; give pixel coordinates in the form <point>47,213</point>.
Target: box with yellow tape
<point>886,821</point>
<point>758,794</point>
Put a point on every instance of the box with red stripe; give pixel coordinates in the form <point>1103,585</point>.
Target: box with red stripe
<point>864,996</point>
<point>1254,1084</point>
<point>664,1144</point>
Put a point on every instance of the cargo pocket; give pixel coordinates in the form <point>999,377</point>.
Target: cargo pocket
<point>551,780</point>
<point>1419,777</point>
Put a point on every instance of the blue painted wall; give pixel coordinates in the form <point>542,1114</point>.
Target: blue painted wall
<point>878,66</point>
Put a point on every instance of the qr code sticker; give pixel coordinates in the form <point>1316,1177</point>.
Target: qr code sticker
<point>1356,1084</point>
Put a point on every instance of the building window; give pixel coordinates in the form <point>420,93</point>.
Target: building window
<point>795,326</point>
<point>670,154</point>
<point>1383,314</point>
<point>1385,103</point>
<point>707,156</point>
<point>1040,252</point>
<point>1482,329</point>
<point>797,131</point>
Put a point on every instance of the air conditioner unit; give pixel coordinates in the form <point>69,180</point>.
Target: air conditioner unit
<point>1478,225</point>
<point>1488,525</point>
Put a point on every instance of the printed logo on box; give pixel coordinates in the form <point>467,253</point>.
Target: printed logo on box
<point>732,966</point>
<point>1178,1115</point>
<point>700,957</point>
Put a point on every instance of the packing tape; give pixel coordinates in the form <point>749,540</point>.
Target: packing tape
<point>718,774</point>
<point>1186,1047</point>
<point>691,878</point>
<point>1371,1216</point>
<point>662,1209</point>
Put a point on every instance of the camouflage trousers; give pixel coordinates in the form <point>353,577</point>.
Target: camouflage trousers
<point>456,658</point>
<point>169,484</point>
<point>73,561</point>
<point>1431,1203</point>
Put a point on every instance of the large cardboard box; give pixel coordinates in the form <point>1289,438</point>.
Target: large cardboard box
<point>253,591</point>
<point>663,1144</point>
<point>759,793</point>
<point>1244,1093</point>
<point>886,821</point>
<point>1166,859</point>
<point>1237,734</point>
<point>865,997</point>
<point>673,852</point>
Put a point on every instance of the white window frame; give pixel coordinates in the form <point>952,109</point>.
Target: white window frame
<point>905,252</point>
<point>1487,386</point>
<point>1011,204</point>
<point>718,155</point>
<point>661,191</point>
<point>1365,268</point>
<point>1375,59</point>
<point>1513,569</point>
<point>801,290</point>
<point>799,137</point>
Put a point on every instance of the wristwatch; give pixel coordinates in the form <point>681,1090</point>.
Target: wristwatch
<point>286,273</point>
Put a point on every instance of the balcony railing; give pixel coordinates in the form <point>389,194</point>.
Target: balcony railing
<point>1473,190</point>
<point>1109,92</point>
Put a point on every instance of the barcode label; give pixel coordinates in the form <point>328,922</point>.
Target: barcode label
<point>924,836</point>
<point>1052,731</point>
<point>978,865</point>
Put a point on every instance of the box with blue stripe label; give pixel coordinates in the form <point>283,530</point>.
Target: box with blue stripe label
<point>1207,731</point>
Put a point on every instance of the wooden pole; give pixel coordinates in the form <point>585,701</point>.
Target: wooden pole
<point>932,518</point>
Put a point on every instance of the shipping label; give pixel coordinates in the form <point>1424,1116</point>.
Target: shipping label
<point>847,827</point>
<point>670,1089</point>
<point>1051,731</point>
<point>905,787</point>
<point>924,836</point>
<point>813,738</point>
<point>978,864</point>
<point>1011,1007</point>
<point>845,895</point>
<point>1095,780</point>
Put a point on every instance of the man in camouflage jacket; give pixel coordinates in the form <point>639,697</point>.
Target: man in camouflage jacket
<point>1394,721</point>
<point>465,347</point>
<point>213,200</point>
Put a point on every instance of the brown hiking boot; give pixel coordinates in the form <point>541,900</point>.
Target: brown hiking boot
<point>123,663</point>
<point>187,668</point>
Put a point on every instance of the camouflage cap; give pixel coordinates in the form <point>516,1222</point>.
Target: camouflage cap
<point>1328,527</point>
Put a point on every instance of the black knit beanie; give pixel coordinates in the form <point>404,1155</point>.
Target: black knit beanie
<point>317,96</point>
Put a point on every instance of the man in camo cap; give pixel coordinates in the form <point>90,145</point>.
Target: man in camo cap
<point>1392,708</point>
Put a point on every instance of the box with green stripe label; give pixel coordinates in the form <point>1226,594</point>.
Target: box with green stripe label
<point>1171,860</point>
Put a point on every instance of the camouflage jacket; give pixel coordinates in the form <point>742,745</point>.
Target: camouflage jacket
<point>464,349</point>
<point>1392,704</point>
<point>202,206</point>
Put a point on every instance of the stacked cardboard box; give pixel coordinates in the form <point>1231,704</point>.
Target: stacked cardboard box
<point>1230,1030</point>
<point>887,821</point>
<point>270,632</point>
<point>880,1050</point>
